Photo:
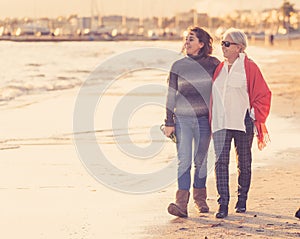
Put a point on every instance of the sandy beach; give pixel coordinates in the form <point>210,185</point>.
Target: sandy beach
<point>46,191</point>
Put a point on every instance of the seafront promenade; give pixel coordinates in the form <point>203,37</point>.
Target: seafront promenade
<point>107,37</point>
<point>87,38</point>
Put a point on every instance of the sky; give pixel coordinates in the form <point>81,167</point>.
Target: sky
<point>137,8</point>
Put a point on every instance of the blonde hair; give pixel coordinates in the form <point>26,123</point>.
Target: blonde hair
<point>238,36</point>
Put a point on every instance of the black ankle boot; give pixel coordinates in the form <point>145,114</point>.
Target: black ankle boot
<point>240,206</point>
<point>222,212</point>
<point>298,213</point>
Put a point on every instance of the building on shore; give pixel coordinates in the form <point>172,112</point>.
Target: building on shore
<point>116,27</point>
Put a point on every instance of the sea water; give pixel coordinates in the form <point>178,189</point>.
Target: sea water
<point>116,75</point>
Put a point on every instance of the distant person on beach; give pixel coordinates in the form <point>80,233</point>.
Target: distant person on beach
<point>240,105</point>
<point>272,39</point>
<point>187,114</point>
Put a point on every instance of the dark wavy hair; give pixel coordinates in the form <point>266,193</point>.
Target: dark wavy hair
<point>204,37</point>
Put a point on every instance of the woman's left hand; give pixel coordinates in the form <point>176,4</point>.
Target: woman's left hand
<point>262,143</point>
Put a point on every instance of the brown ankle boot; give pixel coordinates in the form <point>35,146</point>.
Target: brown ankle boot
<point>200,195</point>
<point>179,208</point>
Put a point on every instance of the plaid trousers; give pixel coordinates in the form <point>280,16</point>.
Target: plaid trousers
<point>222,144</point>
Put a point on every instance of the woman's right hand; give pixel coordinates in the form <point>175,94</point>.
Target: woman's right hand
<point>168,130</point>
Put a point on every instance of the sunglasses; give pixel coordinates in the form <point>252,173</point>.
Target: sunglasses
<point>228,43</point>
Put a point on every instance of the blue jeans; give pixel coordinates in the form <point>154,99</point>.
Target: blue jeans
<point>191,130</point>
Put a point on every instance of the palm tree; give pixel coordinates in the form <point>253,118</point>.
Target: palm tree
<point>287,9</point>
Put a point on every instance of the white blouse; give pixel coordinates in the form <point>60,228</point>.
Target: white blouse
<point>230,97</point>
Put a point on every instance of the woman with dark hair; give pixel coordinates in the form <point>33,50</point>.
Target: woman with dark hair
<point>187,115</point>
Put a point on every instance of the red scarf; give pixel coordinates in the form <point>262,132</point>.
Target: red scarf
<point>259,97</point>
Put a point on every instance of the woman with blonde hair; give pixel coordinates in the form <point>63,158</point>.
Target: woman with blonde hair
<point>240,104</point>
